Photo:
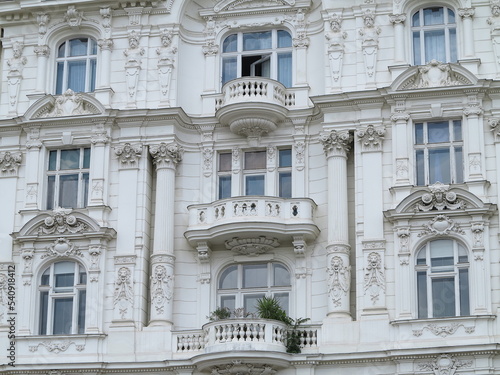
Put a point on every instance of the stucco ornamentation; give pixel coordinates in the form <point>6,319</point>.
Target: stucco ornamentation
<point>444,365</point>
<point>62,222</point>
<point>62,247</point>
<point>161,288</point>
<point>166,62</point>
<point>435,74</point>
<point>252,246</point>
<point>123,294</point>
<point>129,155</point>
<point>9,163</point>
<point>371,138</point>
<point>339,280</point>
<point>439,198</point>
<point>166,155</point>
<point>335,39</point>
<point>369,42</point>
<point>374,279</point>
<point>443,331</point>
<point>336,143</point>
<point>441,224</point>
<point>68,104</point>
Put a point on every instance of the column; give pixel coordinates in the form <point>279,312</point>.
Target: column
<point>398,21</point>
<point>401,147</point>
<point>336,146</point>
<point>474,161</point>
<point>33,146</point>
<point>106,46</point>
<point>468,32</point>
<point>372,257</point>
<point>42,53</point>
<point>165,158</point>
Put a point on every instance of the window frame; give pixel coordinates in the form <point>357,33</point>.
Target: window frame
<point>53,195</point>
<point>46,328</point>
<point>425,308</point>
<point>61,84</point>
<point>421,29</point>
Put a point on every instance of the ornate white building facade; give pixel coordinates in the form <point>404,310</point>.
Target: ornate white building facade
<point>161,159</point>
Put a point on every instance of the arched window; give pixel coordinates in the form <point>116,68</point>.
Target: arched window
<point>241,285</point>
<point>76,65</point>
<point>62,299</point>
<point>258,54</point>
<point>434,35</point>
<point>442,270</point>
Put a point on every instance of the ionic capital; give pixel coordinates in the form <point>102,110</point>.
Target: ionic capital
<point>397,18</point>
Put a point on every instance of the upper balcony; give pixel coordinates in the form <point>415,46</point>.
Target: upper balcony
<point>252,222</point>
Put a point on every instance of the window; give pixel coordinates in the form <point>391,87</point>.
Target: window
<point>285,173</point>
<point>442,268</point>
<point>438,152</point>
<point>240,286</point>
<point>258,54</point>
<point>76,65</point>
<point>434,35</point>
<point>68,178</point>
<point>254,172</point>
<point>62,299</point>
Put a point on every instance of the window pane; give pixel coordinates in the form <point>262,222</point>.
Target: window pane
<point>52,160</point>
<point>82,280</point>
<point>441,255</point>
<point>283,299</point>
<point>62,48</point>
<point>230,43</point>
<point>86,158</point>
<point>464,292</point>
<point>439,166</point>
<point>419,156</point>
<point>285,185</point>
<point>68,190</point>
<point>457,130</point>
<point>85,179</point>
<point>255,276</point>
<point>229,69</point>
<point>78,47</point>
<point>44,307</point>
<point>250,302</point>
<point>224,187</point>
<point>63,311</point>
<point>82,296</point>
<point>443,297</point>
<point>421,256</point>
<point>254,185</point>
<point>255,160</point>
<point>70,159</point>
<point>417,58</point>
<point>284,39</point>
<point>51,182</point>
<point>45,279</point>
<point>64,273</point>
<point>256,41</point>
<point>453,45</point>
<point>438,132</point>
<point>228,301</point>
<point>416,19</point>
<point>422,294</point>
<point>93,47</point>
<point>92,73</point>
<point>281,276</point>
<point>451,16</point>
<point>285,157</point>
<point>462,254</point>
<point>60,78</point>
<point>229,278</point>
<point>285,69</point>
<point>433,16</point>
<point>76,75</point>
<point>225,162</point>
<point>459,165</point>
<point>434,45</point>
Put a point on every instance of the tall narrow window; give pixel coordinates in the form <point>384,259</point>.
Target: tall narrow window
<point>438,152</point>
<point>434,35</point>
<point>68,178</point>
<point>255,172</point>
<point>62,301</point>
<point>76,65</point>
<point>258,54</point>
<point>224,175</point>
<point>285,173</point>
<point>442,271</point>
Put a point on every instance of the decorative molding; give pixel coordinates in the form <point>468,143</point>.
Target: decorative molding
<point>67,104</point>
<point>300,151</point>
<point>299,246</point>
<point>166,155</point>
<point>240,368</point>
<point>271,152</point>
<point>161,287</point>
<point>441,224</point>
<point>443,331</point>
<point>62,247</point>
<point>123,293</point>
<point>439,198</point>
<point>106,17</point>
<point>335,38</point>
<point>125,259</point>
<point>204,252</point>
<point>105,44</point>
<point>339,249</point>
<point>374,279</point>
<point>9,163</point>
<point>397,18</point>
<point>371,138</point>
<point>56,347</point>
<point>404,239</point>
<point>336,143</point>
<point>61,222</point>
<point>43,20</point>
<point>477,229</point>
<point>95,252</point>
<point>166,62</point>
<point>339,280</point>
<point>133,56</point>
<point>444,365</point>
<point>369,42</point>
<point>435,74</point>
<point>129,155</point>
<point>466,12</point>
<point>400,116</point>
<point>74,17</point>
<point>208,158</point>
<point>14,75</point>
<point>231,5</point>
<point>252,246</point>
<point>33,142</point>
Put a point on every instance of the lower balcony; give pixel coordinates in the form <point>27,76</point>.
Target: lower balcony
<point>252,223</point>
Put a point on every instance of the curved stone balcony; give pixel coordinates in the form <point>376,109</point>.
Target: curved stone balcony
<point>252,224</point>
<point>253,106</point>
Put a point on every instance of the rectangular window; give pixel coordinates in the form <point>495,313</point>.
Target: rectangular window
<point>254,170</point>
<point>285,173</point>
<point>438,152</point>
<point>443,297</point>
<point>63,315</point>
<point>68,178</point>
<point>224,175</point>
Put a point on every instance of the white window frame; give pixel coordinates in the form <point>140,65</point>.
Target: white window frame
<point>54,294</point>
<point>446,26</point>
<point>89,57</point>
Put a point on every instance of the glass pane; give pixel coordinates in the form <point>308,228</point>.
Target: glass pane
<point>283,299</point>
<point>255,276</point>
<point>421,256</point>
<point>230,44</point>
<point>60,51</point>
<point>51,182</point>
<point>462,254</point>
<point>281,276</point>
<point>441,255</point>
<point>285,158</point>
<point>459,172</point>
<point>419,156</point>
<point>439,166</point>
<point>416,19</point>
<point>225,162</point>
<point>285,69</point>
<point>224,187</point>
<point>68,191</point>
<point>70,159</point>
<point>63,311</point>
<point>85,178</point>
<point>228,301</point>
<point>284,39</point>
<point>64,273</point>
<point>464,292</point>
<point>82,296</point>
<point>45,279</point>
<point>255,41</point>
<point>417,58</point>
<point>285,185</point>
<point>44,307</point>
<point>443,297</point>
<point>457,130</point>
<point>76,75</point>
<point>52,160</point>
<point>451,16</point>
<point>82,280</point>
<point>255,160</point>
<point>60,78</point>
<point>78,47</point>
<point>419,134</point>
<point>93,47</point>
<point>434,45</point>
<point>422,294</point>
<point>92,73</point>
<point>229,278</point>
<point>433,16</point>
<point>86,158</point>
<point>453,45</point>
<point>438,132</point>
<point>254,185</point>
<point>250,302</point>
<point>229,67</point>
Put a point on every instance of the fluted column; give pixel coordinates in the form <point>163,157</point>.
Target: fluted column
<point>165,157</point>
<point>336,146</point>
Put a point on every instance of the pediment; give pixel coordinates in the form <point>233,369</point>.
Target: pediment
<point>228,5</point>
<point>65,105</point>
<point>432,75</point>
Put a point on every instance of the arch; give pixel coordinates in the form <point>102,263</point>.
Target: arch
<point>411,6</point>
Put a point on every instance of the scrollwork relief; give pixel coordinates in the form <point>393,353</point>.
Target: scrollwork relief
<point>441,224</point>
<point>129,155</point>
<point>443,331</point>
<point>61,222</point>
<point>62,247</point>
<point>161,288</point>
<point>439,198</point>
<point>371,138</point>
<point>444,365</point>
<point>374,279</point>
<point>123,294</point>
<point>339,280</point>
<point>10,162</point>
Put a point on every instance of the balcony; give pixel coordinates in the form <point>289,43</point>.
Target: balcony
<point>252,224</point>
